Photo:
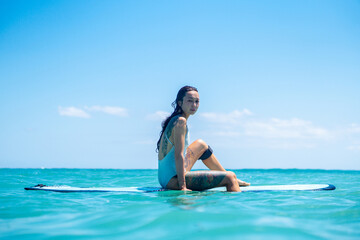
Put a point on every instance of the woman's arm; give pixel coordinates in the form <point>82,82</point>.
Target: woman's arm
<point>179,142</point>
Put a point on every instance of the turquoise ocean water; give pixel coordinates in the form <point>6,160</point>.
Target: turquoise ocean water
<point>174,214</point>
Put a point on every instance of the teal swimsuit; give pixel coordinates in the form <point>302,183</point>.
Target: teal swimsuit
<point>167,167</point>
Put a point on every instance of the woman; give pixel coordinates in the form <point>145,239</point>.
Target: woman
<point>176,157</point>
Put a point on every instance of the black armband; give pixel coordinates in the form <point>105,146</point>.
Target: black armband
<point>206,154</point>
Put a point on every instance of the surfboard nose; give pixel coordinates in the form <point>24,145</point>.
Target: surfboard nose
<point>330,187</point>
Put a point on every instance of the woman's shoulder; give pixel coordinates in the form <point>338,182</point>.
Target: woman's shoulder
<point>177,118</point>
<point>178,121</point>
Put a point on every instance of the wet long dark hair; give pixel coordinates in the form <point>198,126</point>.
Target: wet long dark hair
<point>177,110</point>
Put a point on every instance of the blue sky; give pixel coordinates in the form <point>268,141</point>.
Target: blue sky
<point>85,84</point>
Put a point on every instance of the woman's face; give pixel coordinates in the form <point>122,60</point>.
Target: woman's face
<point>190,103</point>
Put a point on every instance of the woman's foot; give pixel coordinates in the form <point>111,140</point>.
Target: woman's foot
<point>242,183</point>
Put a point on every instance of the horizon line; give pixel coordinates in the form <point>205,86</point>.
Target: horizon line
<point>199,169</point>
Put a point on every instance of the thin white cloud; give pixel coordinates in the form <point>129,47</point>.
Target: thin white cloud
<point>240,127</point>
<point>237,123</point>
<point>146,142</point>
<point>158,116</point>
<point>289,145</point>
<point>84,113</point>
<point>353,135</point>
<point>227,133</point>
<point>72,112</point>
<point>229,118</point>
<point>355,147</point>
<point>117,111</point>
<point>286,129</point>
<point>354,128</point>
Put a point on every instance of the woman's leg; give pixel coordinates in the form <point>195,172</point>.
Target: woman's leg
<point>213,164</point>
<point>194,152</point>
<point>203,180</point>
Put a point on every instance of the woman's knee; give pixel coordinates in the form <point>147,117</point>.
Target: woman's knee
<point>201,143</point>
<point>231,177</point>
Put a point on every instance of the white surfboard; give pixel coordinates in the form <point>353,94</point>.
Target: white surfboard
<point>297,187</point>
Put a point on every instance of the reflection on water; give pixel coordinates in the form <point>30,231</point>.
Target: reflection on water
<point>187,200</point>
